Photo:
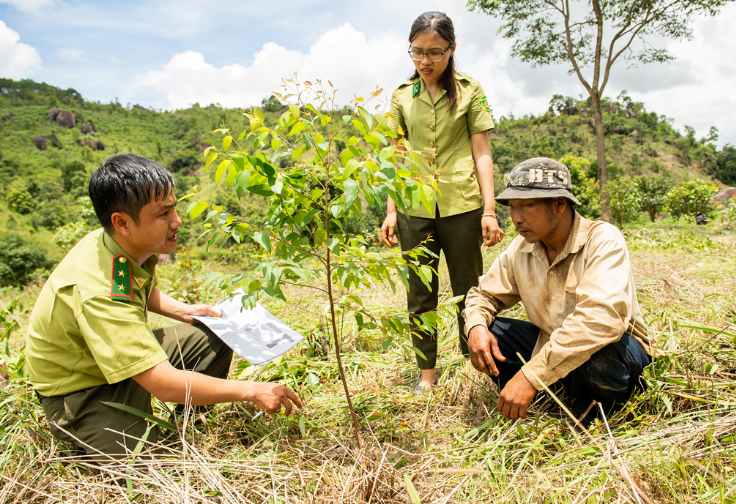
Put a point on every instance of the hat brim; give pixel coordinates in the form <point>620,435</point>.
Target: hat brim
<point>532,193</point>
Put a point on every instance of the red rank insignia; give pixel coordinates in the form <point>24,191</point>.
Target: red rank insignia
<point>121,285</point>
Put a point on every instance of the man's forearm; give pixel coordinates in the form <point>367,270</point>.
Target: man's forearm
<point>174,385</point>
<point>165,305</point>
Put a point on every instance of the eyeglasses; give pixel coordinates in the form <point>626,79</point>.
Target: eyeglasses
<point>418,55</point>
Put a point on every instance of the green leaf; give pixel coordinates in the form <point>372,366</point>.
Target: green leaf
<point>411,490</point>
<point>239,161</point>
<point>210,158</point>
<point>350,167</point>
<point>142,414</point>
<point>298,127</point>
<point>325,120</point>
<point>231,176</point>
<point>351,192</point>
<point>319,237</point>
<point>425,274</point>
<point>198,208</point>
<point>226,142</point>
<point>221,170</point>
<point>278,184</point>
<point>302,427</point>
<point>242,182</point>
<point>263,240</point>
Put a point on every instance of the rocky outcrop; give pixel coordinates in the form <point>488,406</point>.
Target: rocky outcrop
<point>55,142</point>
<point>636,134</point>
<point>92,144</point>
<point>724,194</point>
<point>617,130</point>
<point>7,117</point>
<point>652,153</point>
<point>87,127</point>
<point>62,117</point>
<point>40,142</point>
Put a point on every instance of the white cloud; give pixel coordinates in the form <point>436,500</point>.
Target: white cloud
<point>29,5</point>
<point>17,60</point>
<point>72,54</point>
<point>354,63</point>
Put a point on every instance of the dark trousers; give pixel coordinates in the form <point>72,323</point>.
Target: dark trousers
<point>460,237</point>
<point>82,414</point>
<point>608,377</point>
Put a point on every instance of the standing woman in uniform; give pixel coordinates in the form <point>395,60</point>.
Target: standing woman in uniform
<point>445,115</point>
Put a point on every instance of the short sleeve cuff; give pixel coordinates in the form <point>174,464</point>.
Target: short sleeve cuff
<point>137,367</point>
<point>483,124</point>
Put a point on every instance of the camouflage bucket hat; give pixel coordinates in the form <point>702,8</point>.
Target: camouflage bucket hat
<point>537,178</point>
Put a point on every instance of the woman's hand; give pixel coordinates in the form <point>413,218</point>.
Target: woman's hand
<point>492,234</point>
<point>387,230</point>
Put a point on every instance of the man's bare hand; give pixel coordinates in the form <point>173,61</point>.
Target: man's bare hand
<point>483,348</point>
<point>199,310</point>
<point>270,397</point>
<point>516,397</point>
<point>388,237</point>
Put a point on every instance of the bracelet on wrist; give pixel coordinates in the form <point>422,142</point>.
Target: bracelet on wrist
<point>489,214</point>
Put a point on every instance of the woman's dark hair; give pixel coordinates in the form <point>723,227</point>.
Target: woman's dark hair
<point>126,183</point>
<point>439,23</point>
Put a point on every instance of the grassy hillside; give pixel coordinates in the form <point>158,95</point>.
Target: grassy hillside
<point>40,190</point>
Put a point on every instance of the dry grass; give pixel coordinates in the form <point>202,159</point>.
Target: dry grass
<point>674,443</point>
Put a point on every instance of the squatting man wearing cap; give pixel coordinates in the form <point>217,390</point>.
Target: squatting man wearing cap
<point>575,280</point>
<point>89,341</point>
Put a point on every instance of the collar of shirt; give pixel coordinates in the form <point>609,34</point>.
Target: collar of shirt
<point>575,241</point>
<point>424,94</point>
<point>140,271</point>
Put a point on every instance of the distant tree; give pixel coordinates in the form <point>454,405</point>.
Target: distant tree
<point>547,32</point>
<point>726,162</point>
<point>583,187</point>
<point>652,193</point>
<point>625,201</point>
<point>20,261</point>
<point>691,198</point>
<point>563,105</point>
<point>271,104</point>
<point>20,200</point>
<point>73,175</point>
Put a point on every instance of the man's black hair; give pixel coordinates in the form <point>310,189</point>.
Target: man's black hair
<point>126,183</point>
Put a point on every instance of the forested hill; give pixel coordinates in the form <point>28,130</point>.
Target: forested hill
<point>52,139</point>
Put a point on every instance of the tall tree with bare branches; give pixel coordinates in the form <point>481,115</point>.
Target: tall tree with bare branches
<point>595,34</point>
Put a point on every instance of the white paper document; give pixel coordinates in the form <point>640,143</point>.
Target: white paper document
<point>255,334</point>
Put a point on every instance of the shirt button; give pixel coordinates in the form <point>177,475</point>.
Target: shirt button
<point>431,144</point>
<point>431,127</point>
<point>554,298</point>
<point>431,112</point>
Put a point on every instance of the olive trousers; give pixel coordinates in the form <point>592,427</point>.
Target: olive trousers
<point>96,427</point>
<point>460,237</point>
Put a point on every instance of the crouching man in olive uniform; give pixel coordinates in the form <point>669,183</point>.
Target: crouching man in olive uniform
<point>575,280</point>
<point>88,339</point>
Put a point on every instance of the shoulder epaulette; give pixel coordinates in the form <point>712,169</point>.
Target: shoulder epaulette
<point>121,283</point>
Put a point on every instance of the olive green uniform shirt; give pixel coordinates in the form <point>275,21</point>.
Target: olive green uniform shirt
<point>583,301</point>
<point>79,336</point>
<point>443,139</point>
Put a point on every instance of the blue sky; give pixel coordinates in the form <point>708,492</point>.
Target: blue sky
<point>169,54</point>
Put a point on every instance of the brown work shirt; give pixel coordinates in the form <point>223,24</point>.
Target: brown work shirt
<point>583,301</point>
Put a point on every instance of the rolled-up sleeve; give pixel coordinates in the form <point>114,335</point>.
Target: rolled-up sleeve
<point>602,314</point>
<point>496,291</point>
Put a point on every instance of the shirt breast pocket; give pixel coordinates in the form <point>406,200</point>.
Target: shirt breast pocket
<point>466,179</point>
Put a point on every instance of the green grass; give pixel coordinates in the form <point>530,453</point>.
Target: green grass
<point>676,442</point>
